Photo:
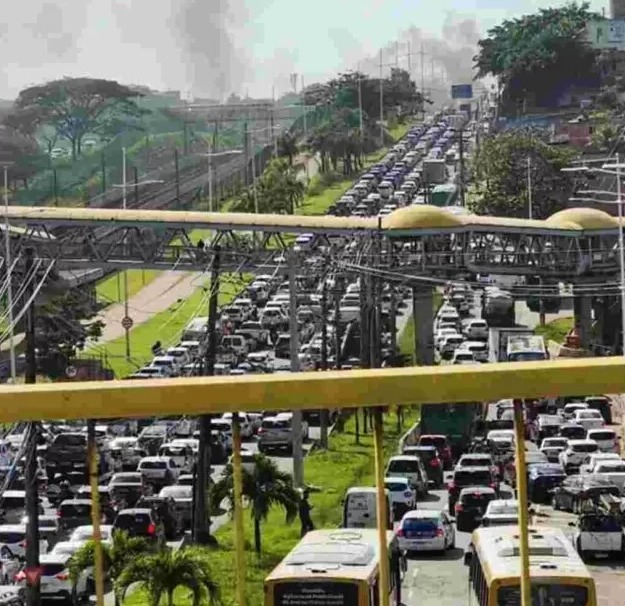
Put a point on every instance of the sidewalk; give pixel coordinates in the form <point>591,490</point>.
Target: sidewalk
<point>165,290</point>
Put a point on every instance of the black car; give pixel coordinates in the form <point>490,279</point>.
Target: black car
<point>167,512</point>
<point>576,489</point>
<point>140,522</point>
<point>431,460</point>
<point>541,481</point>
<point>469,476</point>
<point>572,431</point>
<point>471,505</point>
<point>74,512</point>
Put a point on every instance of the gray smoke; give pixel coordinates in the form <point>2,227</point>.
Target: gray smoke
<point>447,59</point>
<point>214,63</point>
<point>39,31</point>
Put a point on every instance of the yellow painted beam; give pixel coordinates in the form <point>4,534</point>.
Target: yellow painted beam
<point>313,390</point>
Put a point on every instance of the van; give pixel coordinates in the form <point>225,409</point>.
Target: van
<point>360,510</point>
<point>196,330</point>
<point>237,343</point>
<point>412,469</point>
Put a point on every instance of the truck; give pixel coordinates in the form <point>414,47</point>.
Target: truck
<point>497,307</point>
<point>457,422</point>
<point>526,348</point>
<point>434,171</point>
<point>498,341</point>
<point>444,195</point>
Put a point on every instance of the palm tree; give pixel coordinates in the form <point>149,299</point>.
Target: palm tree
<point>166,570</point>
<point>287,146</point>
<point>265,487</point>
<point>115,555</point>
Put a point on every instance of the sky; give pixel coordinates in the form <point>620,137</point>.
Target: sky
<point>215,47</point>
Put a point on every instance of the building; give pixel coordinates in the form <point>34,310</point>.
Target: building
<point>617,9</point>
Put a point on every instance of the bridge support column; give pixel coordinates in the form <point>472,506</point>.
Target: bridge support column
<point>582,309</point>
<point>423,316</point>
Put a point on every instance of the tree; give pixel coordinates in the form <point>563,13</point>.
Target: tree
<point>64,323</point>
<point>115,555</point>
<point>287,146</point>
<point>161,573</point>
<point>537,55</point>
<point>500,168</point>
<point>75,107</point>
<point>265,487</point>
<point>20,154</point>
<point>278,190</point>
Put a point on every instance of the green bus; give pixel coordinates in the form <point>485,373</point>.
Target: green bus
<point>444,195</point>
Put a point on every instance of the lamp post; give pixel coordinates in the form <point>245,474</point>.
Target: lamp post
<point>529,186</point>
<point>7,261</point>
<point>210,155</point>
<point>127,320</point>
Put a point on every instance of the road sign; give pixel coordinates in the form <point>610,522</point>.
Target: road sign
<point>462,91</point>
<point>71,371</point>
<point>127,323</point>
<point>32,575</point>
<point>603,34</point>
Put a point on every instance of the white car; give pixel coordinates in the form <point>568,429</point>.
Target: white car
<point>597,533</point>
<point>402,493</point>
<point>158,469</point>
<point>245,423</point>
<point>479,349</point>
<point>441,335</point>
<point>450,344</point>
<point>247,460</point>
<point>552,447</point>
<point>575,453</point>
<point>463,357</point>
<point>55,581</point>
<point>426,530</point>
<point>588,466</point>
<point>67,547</point>
<point>85,533</point>
<point>607,439</point>
<point>501,512</point>
<point>614,471</point>
<point>589,419</point>
<point>14,537</point>
<point>569,410</point>
<point>476,329</point>
<point>495,434</point>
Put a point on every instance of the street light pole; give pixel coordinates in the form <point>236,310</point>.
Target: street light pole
<point>529,186</point>
<point>127,327</point>
<point>7,261</point>
<point>210,179</point>
<point>381,104</point>
<point>621,249</point>
<point>360,121</point>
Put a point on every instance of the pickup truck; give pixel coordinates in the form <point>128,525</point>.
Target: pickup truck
<point>67,453</point>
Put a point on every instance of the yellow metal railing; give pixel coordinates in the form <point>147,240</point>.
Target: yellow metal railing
<point>327,390</point>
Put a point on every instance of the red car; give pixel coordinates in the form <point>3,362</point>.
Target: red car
<point>441,443</point>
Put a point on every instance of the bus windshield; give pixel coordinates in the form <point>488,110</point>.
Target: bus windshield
<point>545,595</point>
<point>323,593</point>
<point>526,356</point>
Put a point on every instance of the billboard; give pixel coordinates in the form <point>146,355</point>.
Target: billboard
<point>462,91</point>
<point>605,34</point>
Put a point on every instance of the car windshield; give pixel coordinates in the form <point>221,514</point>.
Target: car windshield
<point>153,465</point>
<point>478,478</point>
<point>396,486</point>
<point>420,524</point>
<point>403,466</point>
<point>50,570</point>
<point>438,441</point>
<point>75,510</point>
<point>600,524</point>
<point>585,447</point>
<point>127,521</point>
<point>602,435</point>
<point>609,467</point>
<point>476,499</point>
<point>70,439</point>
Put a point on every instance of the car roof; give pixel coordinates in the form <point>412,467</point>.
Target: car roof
<point>54,558</point>
<point>136,510</point>
<point>472,468</point>
<point>398,479</point>
<point>476,489</point>
<point>580,442</point>
<point>422,513</point>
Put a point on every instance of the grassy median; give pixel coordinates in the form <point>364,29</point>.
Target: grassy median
<point>345,464</point>
<point>110,290</point>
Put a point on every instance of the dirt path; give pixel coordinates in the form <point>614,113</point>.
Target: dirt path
<point>157,296</point>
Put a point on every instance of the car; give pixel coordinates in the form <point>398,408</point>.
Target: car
<point>183,501</point>
<point>449,346</point>
<point>426,530</point>
<point>166,512</point>
<point>181,454</point>
<point>541,481</point>
<point>13,536</point>
<point>574,454</point>
<point>476,329</point>
<point>74,512</point>
<point>572,431</point>
<point>532,457</point>
<point>402,494</point>
<point>10,565</point>
<point>159,470</point>
<point>140,522</point>
<point>410,468</point>
<point>442,445</point>
<point>588,419</point>
<point>479,349</point>
<point>552,447</point>
<point>500,512</point>
<point>431,460</point>
<point>248,460</point>
<point>85,533</point>
<point>67,547</point>
<point>471,505</point>
<point>607,439</point>
<point>599,533</point>
<point>476,459</point>
<point>55,581</point>
<point>464,477</point>
<point>575,489</point>
<point>590,461</point>
<point>569,410</point>
<point>614,471</point>
<point>463,357</point>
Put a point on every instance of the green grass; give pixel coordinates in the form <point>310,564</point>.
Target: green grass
<point>345,464</point>
<point>166,326</point>
<point>398,131</point>
<point>556,330</point>
<point>112,288</point>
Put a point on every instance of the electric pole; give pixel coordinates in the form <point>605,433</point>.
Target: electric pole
<point>33,570</point>
<point>323,413</point>
<point>461,180</point>
<point>202,521</point>
<point>296,427</point>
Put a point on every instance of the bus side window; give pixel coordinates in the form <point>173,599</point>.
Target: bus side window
<point>374,593</point>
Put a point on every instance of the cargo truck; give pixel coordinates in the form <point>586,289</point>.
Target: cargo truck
<point>498,341</point>
<point>434,171</point>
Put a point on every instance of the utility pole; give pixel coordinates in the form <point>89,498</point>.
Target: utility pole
<point>409,58</point>
<point>360,119</point>
<point>381,104</point>
<point>33,571</point>
<point>323,413</point>
<point>246,152</point>
<point>93,466</point>
<point>8,264</point>
<point>126,326</point>
<point>461,152</point>
<point>135,175</point>
<point>337,331</point>
<point>201,520</point>
<point>529,187</point>
<point>177,171</point>
<point>103,171</point>
<point>365,333</point>
<point>296,428</point>
<point>422,53</point>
